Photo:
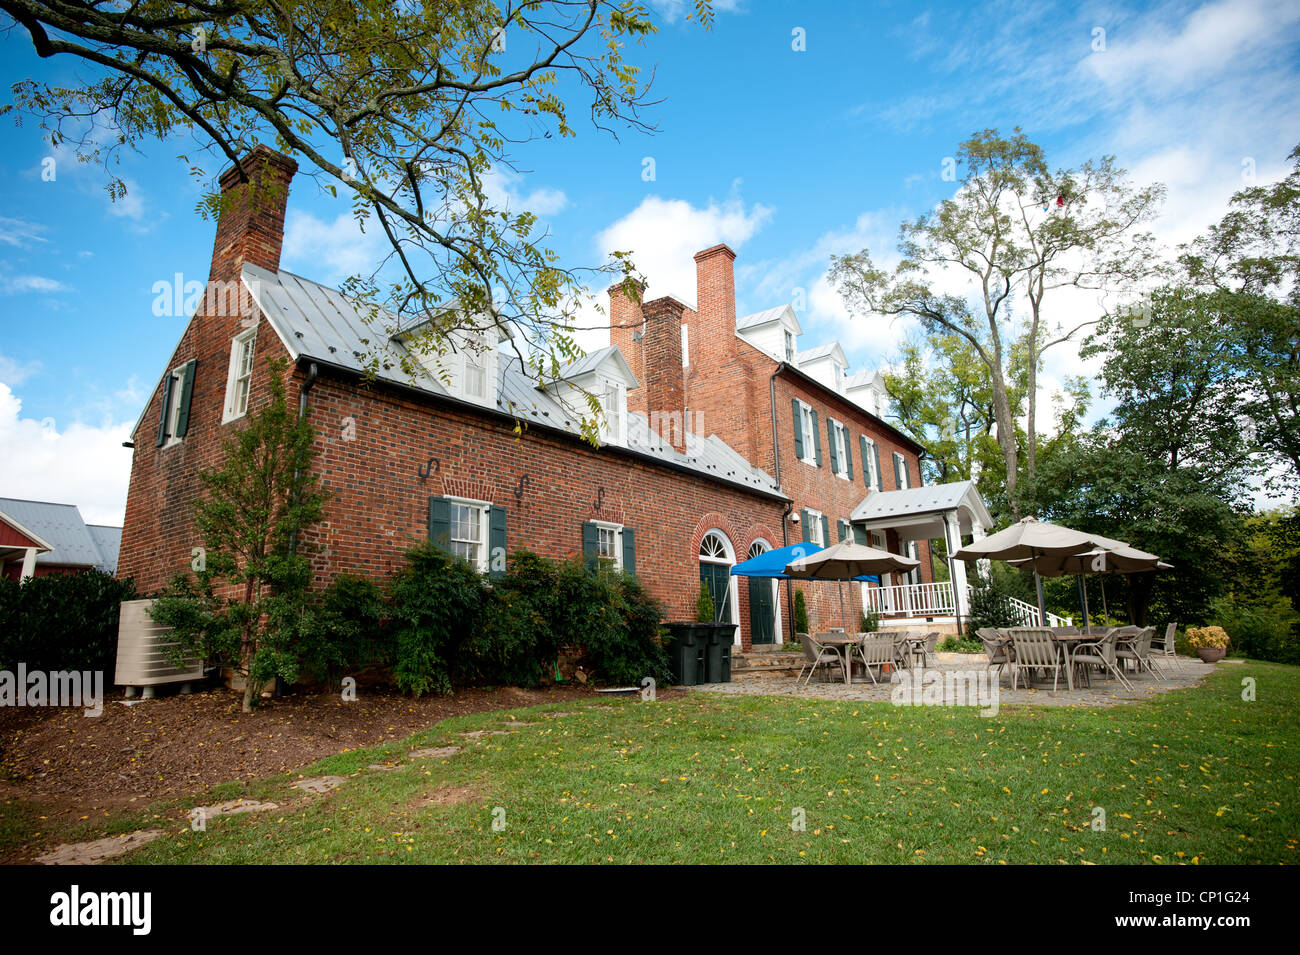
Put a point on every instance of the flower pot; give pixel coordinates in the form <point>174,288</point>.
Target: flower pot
<point>1211,654</point>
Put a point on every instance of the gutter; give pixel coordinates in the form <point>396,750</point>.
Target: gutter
<point>789,504</point>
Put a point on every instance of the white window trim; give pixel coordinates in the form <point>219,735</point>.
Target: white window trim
<point>483,563</point>
<point>869,464</point>
<point>229,413</point>
<point>815,527</point>
<point>809,429</point>
<point>613,429</point>
<point>618,542</point>
<point>841,449</point>
<point>904,472</point>
<point>177,376</point>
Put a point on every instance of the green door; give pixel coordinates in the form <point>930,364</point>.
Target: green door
<point>762,611</point>
<point>718,579</point>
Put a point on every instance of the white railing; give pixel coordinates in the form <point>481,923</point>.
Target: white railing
<point>1026,615</point>
<point>912,600</point>
<point>936,600</point>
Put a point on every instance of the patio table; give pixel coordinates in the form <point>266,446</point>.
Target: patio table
<point>843,643</point>
<point>1065,641</point>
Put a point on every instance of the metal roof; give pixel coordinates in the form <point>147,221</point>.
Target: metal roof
<point>320,323</point>
<point>61,525</point>
<point>917,501</point>
<point>593,360</point>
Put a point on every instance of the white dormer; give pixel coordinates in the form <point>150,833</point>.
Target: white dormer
<point>775,332</point>
<point>605,374</point>
<point>465,363</point>
<point>867,390</point>
<point>825,363</point>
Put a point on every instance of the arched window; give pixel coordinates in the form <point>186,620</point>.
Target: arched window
<point>716,559</point>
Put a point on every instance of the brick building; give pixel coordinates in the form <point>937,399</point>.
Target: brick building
<point>426,447</point>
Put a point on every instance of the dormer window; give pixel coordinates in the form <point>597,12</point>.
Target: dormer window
<point>613,406</point>
<point>467,369</point>
<point>475,377</point>
<point>789,345</point>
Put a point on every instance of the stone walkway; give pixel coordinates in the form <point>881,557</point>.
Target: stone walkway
<point>1104,691</point>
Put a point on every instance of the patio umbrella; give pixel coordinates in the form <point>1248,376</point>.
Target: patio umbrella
<point>849,561</point>
<point>1031,539</point>
<point>1114,560</point>
<point>772,563</point>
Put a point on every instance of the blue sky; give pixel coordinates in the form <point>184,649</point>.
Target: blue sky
<point>788,155</point>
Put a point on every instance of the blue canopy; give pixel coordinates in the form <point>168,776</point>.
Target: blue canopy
<point>773,563</point>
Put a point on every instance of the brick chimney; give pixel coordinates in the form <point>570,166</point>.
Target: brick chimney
<point>715,292</point>
<point>251,223</point>
<point>662,379</point>
<point>626,332</point>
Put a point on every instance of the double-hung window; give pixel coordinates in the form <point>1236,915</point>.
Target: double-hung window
<point>239,380</point>
<point>609,543</point>
<point>468,534</point>
<point>809,427</point>
<point>842,451</point>
<point>902,472</point>
<point>814,533</point>
<point>789,345</point>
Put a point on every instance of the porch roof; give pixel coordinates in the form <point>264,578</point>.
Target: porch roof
<point>917,513</point>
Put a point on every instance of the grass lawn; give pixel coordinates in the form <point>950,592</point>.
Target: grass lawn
<point>1197,776</point>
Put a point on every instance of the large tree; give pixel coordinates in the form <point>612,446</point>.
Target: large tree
<point>1249,262</point>
<point>1012,235</point>
<point>404,107</point>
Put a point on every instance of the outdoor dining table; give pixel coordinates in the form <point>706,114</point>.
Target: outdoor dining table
<point>844,643</point>
<point>1066,642</point>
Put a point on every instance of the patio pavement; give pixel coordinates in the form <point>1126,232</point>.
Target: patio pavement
<point>1104,692</point>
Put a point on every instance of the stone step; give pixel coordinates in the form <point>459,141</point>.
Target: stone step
<point>763,673</point>
<point>760,661</point>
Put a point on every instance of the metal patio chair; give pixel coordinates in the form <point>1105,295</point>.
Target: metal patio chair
<point>876,650</point>
<point>1100,653</point>
<point>1036,650</point>
<point>816,654</point>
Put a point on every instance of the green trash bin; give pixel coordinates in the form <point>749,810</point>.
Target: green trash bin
<point>721,636</point>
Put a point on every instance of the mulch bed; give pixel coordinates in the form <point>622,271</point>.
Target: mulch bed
<point>176,745</point>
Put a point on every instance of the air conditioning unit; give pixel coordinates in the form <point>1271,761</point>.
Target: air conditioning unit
<point>142,661</point>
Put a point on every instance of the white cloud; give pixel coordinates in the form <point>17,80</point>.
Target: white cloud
<point>331,251</point>
<point>20,284</point>
<point>20,233</point>
<point>505,189</point>
<point>82,464</point>
<point>15,372</point>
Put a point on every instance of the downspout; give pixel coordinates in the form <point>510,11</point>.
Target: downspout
<point>789,504</point>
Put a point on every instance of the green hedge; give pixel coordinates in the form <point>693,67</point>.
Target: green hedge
<point>62,621</point>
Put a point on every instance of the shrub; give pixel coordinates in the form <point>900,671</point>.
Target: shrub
<point>988,607</point>
<point>437,605</point>
<point>870,621</point>
<point>1259,630</point>
<point>704,609</point>
<point>346,631</point>
<point>1207,637</point>
<point>62,621</point>
<point>953,644</point>
<point>800,612</point>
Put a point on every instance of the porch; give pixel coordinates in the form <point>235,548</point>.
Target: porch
<point>900,605</point>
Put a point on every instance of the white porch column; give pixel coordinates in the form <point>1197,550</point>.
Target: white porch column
<point>977,533</point>
<point>952,535</point>
<point>29,565</point>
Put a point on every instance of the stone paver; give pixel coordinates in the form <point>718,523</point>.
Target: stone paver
<point>233,807</point>
<point>1104,692</point>
<point>386,767</point>
<point>92,853</point>
<point>436,752</point>
<point>475,734</point>
<point>317,785</point>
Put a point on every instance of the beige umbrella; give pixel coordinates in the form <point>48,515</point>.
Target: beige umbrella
<point>1031,539</point>
<point>848,560</point>
<point>1116,560</point>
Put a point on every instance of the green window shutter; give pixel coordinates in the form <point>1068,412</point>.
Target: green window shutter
<point>590,544</point>
<point>860,536</point>
<point>875,456</point>
<point>866,471</point>
<point>806,520</point>
<point>798,429</point>
<point>830,437</point>
<point>907,471</point>
<point>440,523</point>
<point>817,439</point>
<point>629,551</point>
<point>826,531</point>
<point>168,383</point>
<point>848,454</point>
<point>187,393</point>
<point>497,542</point>
<point>841,528</point>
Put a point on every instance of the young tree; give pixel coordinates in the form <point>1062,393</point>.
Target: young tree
<point>408,108</point>
<point>247,604</point>
<point>1013,233</point>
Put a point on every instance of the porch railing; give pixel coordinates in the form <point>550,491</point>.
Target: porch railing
<point>936,600</point>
